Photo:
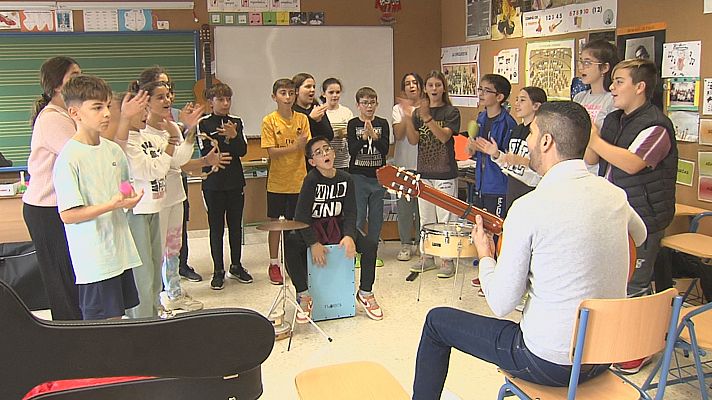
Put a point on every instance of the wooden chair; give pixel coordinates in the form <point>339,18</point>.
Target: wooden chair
<point>160,356</point>
<point>610,331</point>
<point>351,381</point>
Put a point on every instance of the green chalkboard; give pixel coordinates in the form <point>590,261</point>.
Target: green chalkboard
<point>117,57</point>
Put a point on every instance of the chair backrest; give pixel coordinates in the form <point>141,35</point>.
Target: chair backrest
<point>625,329</point>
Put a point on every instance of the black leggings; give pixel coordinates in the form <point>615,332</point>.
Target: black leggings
<point>222,203</point>
<point>50,240</point>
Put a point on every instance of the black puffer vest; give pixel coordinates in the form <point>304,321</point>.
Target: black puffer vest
<point>651,192</point>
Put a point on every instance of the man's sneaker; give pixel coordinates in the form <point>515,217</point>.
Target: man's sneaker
<point>405,253</point>
<point>632,367</point>
<point>239,273</point>
<point>476,282</point>
<point>305,302</point>
<point>447,270</point>
<point>218,281</point>
<point>184,302</point>
<point>370,305</point>
<point>275,275</point>
<point>428,263</point>
<point>379,262</point>
<point>189,273</point>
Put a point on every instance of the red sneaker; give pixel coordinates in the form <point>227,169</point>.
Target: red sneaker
<point>275,275</point>
<point>476,282</point>
<point>632,367</point>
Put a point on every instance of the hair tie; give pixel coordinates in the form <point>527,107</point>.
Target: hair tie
<point>46,97</point>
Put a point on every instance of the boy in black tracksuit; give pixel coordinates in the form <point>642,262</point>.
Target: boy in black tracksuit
<point>223,190</point>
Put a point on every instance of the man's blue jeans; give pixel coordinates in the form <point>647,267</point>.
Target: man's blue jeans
<point>493,340</point>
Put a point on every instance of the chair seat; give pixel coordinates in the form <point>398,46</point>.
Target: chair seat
<point>605,386</point>
<point>703,327</point>
<point>695,244</point>
<point>351,381</point>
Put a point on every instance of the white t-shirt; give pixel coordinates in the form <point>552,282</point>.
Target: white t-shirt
<point>148,167</point>
<point>85,175</point>
<point>339,118</point>
<point>406,154</point>
<point>597,105</point>
<point>182,154</point>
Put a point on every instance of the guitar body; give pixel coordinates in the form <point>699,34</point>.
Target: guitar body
<point>208,80</point>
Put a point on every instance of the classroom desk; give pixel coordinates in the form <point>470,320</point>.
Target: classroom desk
<point>12,227</point>
<point>255,203</point>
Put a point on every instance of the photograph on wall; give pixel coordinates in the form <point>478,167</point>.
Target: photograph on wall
<point>685,172</point>
<point>687,125</point>
<point>550,66</point>
<point>37,21</point>
<point>461,67</point>
<point>478,23</point>
<point>64,21</point>
<point>704,188</point>
<point>681,59</point>
<point>705,132</point>
<point>9,20</point>
<point>683,94</point>
<point>506,19</point>
<point>649,48</point>
<point>506,63</point>
<point>643,47</point>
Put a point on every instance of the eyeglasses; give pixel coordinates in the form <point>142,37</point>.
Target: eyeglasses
<point>322,151</point>
<point>368,103</point>
<point>588,63</point>
<point>486,90</point>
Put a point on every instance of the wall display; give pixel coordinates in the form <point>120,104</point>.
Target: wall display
<point>65,20</point>
<point>650,46</point>
<point>707,6</point>
<point>681,59</point>
<point>586,16</point>
<point>37,21</point>
<point>9,20</point>
<point>704,158</point>
<point>285,5</point>
<point>704,188</point>
<point>477,14</point>
<point>546,22</point>
<point>506,63</point>
<point>683,94</point>
<point>707,96</point>
<point>252,5</point>
<point>506,19</point>
<point>685,172</point>
<point>101,20</point>
<point>461,66</point>
<point>705,132</point>
<point>550,66</point>
<point>687,125</point>
<point>135,20</point>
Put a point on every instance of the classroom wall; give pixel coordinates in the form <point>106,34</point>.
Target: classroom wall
<point>685,21</point>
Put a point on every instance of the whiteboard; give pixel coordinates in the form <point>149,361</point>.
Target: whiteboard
<point>251,58</point>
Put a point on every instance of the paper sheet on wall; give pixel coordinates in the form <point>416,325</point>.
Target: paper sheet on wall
<point>506,63</point>
<point>707,96</point>
<point>704,186</point>
<point>461,66</point>
<point>507,19</point>
<point>685,172</point>
<point>681,59</point>
<point>65,21</point>
<point>687,124</point>
<point>550,66</point>
<point>37,21</point>
<point>708,6</point>
<point>9,20</point>
<point>594,15</point>
<point>101,20</point>
<point>135,20</point>
<point>705,132</point>
<point>478,14</point>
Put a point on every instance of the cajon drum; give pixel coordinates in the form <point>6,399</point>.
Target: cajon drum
<point>332,286</point>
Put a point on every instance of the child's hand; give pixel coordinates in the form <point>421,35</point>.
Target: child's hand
<point>424,109</point>
<point>217,159</point>
<point>368,131</point>
<point>120,200</point>
<point>349,246</point>
<point>134,106</point>
<point>471,146</point>
<point>406,105</point>
<point>319,254</point>
<point>486,146</point>
<point>228,130</point>
<point>301,141</point>
<point>317,113</point>
<point>509,159</point>
<point>190,115</point>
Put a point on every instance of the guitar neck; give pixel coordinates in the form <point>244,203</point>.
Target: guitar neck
<point>458,207</point>
<point>207,60</point>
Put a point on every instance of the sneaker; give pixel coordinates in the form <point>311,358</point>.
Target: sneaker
<point>480,292</point>
<point>275,275</point>
<point>189,274</point>
<point>305,302</point>
<point>163,313</point>
<point>184,302</point>
<point>379,262</point>
<point>405,253</point>
<point>632,367</point>
<point>370,305</point>
<point>476,282</point>
<point>447,270</point>
<point>428,265</point>
<point>218,281</point>
<point>239,273</point>
<point>357,262</point>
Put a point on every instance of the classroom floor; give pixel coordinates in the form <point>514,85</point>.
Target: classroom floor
<point>393,342</point>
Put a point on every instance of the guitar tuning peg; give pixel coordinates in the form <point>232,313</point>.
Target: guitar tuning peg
<point>401,169</point>
<point>417,178</point>
<point>391,191</point>
<point>400,194</point>
<point>407,197</point>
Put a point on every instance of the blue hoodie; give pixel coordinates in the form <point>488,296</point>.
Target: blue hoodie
<point>489,178</point>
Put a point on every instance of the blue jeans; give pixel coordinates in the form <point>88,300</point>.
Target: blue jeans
<point>493,340</point>
<point>369,205</point>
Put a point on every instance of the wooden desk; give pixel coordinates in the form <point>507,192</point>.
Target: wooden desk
<point>12,225</point>
<point>255,203</point>
<point>685,210</point>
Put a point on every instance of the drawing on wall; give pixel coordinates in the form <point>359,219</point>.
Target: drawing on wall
<point>477,14</point>
<point>681,59</point>
<point>550,66</point>
<point>506,63</point>
<point>461,67</point>
<point>9,20</point>
<point>506,19</point>
<point>651,47</point>
<point>687,124</point>
<point>37,21</point>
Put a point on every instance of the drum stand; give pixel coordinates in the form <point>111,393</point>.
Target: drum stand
<point>457,265</point>
<point>284,296</point>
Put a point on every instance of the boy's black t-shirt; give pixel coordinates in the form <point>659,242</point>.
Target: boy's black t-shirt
<point>323,197</point>
<point>232,177</point>
<point>322,128</point>
<point>517,145</point>
<point>367,155</point>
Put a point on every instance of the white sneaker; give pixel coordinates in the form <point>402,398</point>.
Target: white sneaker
<point>184,302</point>
<point>447,270</point>
<point>405,253</point>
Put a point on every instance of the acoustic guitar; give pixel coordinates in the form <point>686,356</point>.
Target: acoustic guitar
<point>207,81</point>
<point>406,184</point>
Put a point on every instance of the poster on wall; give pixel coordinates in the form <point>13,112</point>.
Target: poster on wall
<point>707,7</point>
<point>478,19</point>
<point>506,19</point>
<point>37,21</point>
<point>461,67</point>
<point>707,96</point>
<point>101,20</point>
<point>687,124</point>
<point>685,172</point>
<point>506,63</point>
<point>546,22</point>
<point>644,41</point>
<point>9,20</point>
<point>593,16</point>
<point>65,21</point>
<point>683,94</point>
<point>681,59</point>
<point>705,132</point>
<point>704,188</point>
<point>135,20</point>
<point>550,66</point>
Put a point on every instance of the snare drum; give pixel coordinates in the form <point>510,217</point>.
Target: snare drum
<point>448,240</point>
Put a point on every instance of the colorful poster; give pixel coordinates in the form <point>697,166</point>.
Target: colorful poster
<point>37,21</point>
<point>64,20</point>
<point>704,158</point>
<point>506,19</point>
<point>9,20</point>
<point>545,23</point>
<point>707,97</point>
<point>101,20</point>
<point>506,63</point>
<point>478,19</point>
<point>550,66</point>
<point>683,94</point>
<point>687,124</point>
<point>681,59</point>
<point>704,188</point>
<point>705,132</point>
<point>593,16</point>
<point>685,172</point>
<point>135,20</point>
<point>461,67</point>
<point>285,5</point>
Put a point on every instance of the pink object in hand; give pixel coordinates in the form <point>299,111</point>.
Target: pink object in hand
<point>125,188</point>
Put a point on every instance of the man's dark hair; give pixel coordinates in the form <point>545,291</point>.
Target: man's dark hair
<point>568,123</point>
<point>310,144</point>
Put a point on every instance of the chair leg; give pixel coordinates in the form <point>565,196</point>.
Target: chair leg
<point>698,362</point>
<point>648,384</point>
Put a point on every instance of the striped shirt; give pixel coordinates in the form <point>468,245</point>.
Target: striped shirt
<point>652,145</point>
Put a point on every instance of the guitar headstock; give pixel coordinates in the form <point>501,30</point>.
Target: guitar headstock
<point>205,33</point>
<point>399,181</point>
